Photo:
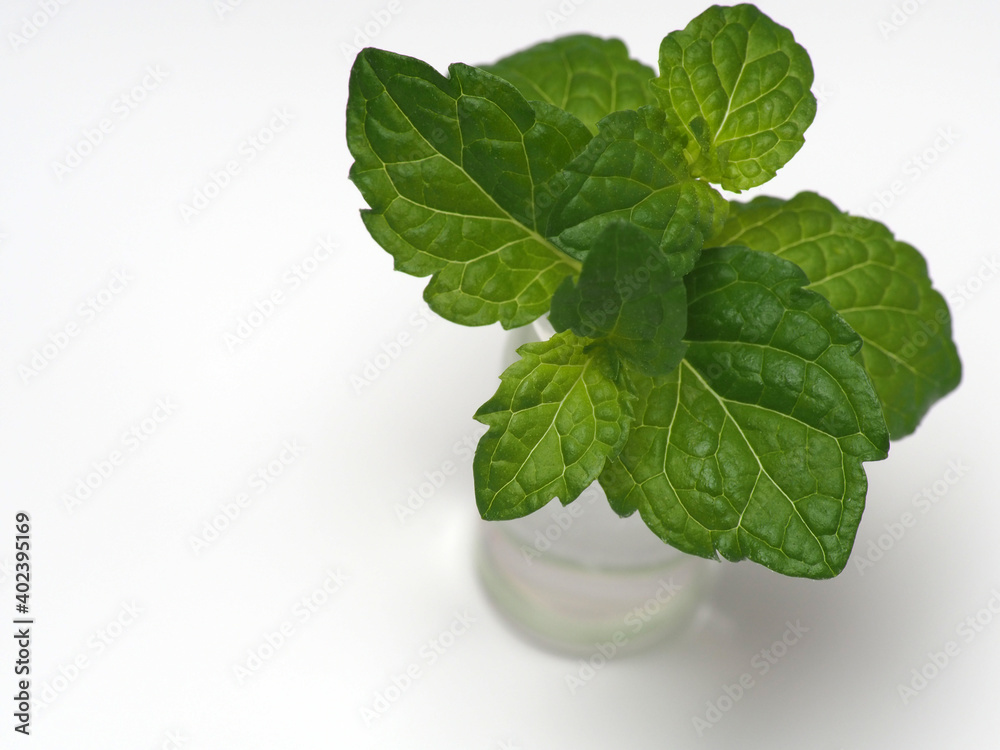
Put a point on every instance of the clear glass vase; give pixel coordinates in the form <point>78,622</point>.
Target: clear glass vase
<point>581,580</point>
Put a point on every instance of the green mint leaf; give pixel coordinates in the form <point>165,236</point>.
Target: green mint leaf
<point>878,284</point>
<point>559,413</point>
<point>634,170</point>
<point>753,448</point>
<point>454,170</point>
<point>587,76</point>
<point>738,84</point>
<point>626,297</point>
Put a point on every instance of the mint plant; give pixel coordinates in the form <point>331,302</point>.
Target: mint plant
<point>723,368</point>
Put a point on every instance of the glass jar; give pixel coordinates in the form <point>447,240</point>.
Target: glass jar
<point>579,578</point>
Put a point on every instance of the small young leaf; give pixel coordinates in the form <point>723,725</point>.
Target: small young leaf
<point>878,284</point>
<point>753,448</point>
<point>454,170</point>
<point>738,84</point>
<point>559,413</point>
<point>627,298</point>
<point>587,76</point>
<point>634,170</point>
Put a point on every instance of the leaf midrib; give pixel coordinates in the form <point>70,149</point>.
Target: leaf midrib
<point>561,403</point>
<point>567,259</point>
<point>722,403</point>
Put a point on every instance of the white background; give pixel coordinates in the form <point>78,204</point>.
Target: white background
<point>885,94</point>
